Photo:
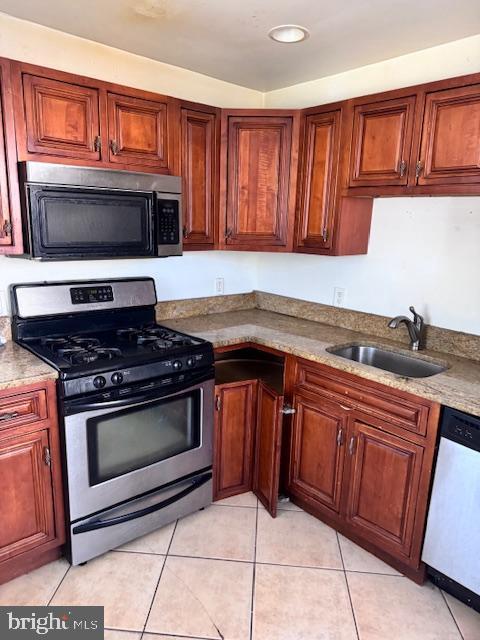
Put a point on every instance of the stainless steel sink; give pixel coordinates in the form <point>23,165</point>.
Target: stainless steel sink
<point>401,364</point>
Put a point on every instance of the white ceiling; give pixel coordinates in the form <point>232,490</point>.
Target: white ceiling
<point>228,40</point>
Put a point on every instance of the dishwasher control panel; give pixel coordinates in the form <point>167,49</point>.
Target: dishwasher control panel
<point>461,428</point>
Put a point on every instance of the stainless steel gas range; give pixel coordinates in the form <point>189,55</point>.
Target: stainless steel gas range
<point>136,403</point>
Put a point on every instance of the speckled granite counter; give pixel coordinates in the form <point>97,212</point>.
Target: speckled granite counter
<point>458,386</point>
<point>20,367</point>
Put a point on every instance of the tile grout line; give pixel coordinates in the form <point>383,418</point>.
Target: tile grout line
<point>59,585</point>
<point>348,586</point>
<point>451,613</point>
<point>254,572</point>
<point>158,581</point>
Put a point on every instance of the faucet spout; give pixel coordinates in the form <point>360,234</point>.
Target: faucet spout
<point>415,327</point>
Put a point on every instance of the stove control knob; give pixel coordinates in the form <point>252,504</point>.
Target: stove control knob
<point>99,382</point>
<point>190,362</point>
<point>177,365</point>
<point>117,377</point>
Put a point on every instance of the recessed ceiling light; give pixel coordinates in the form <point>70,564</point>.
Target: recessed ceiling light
<point>288,33</point>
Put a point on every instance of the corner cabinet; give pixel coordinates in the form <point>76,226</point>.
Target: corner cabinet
<point>31,499</point>
<point>10,227</point>
<point>200,137</point>
<point>258,179</point>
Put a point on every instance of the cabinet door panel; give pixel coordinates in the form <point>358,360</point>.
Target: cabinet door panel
<point>258,177</point>
<point>137,131</point>
<point>383,487</point>
<point>317,451</point>
<point>26,500</point>
<point>268,439</point>
<point>382,139</point>
<point>10,231</point>
<point>320,166</point>
<point>199,162</point>
<point>62,119</point>
<point>233,439</point>
<point>450,148</point>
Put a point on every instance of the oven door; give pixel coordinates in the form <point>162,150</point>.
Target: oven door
<point>72,223</point>
<point>124,448</point>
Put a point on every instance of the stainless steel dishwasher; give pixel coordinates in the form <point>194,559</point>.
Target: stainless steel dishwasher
<point>453,525</point>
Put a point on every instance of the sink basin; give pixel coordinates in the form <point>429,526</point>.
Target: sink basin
<point>401,364</point>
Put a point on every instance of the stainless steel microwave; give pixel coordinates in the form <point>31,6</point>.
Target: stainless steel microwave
<point>75,213</point>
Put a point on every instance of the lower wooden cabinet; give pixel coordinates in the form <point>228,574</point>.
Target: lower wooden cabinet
<point>363,463</point>
<point>247,442</point>
<point>31,502</point>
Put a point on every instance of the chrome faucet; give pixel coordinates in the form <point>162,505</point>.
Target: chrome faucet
<point>416,329</point>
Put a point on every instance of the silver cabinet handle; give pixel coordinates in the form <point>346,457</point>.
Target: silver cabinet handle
<point>351,445</point>
<point>8,416</point>
<point>287,410</point>
<point>114,147</point>
<point>402,168</point>
<point>97,143</point>
<point>418,169</point>
<point>340,437</point>
<point>342,406</point>
<point>47,457</point>
<point>218,403</point>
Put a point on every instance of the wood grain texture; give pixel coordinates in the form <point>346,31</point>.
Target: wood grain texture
<point>268,442</point>
<point>200,160</point>
<point>235,418</point>
<point>23,408</point>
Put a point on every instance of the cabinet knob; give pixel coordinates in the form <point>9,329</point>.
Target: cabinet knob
<point>351,446</point>
<point>97,143</point>
<point>229,233</point>
<point>114,147</point>
<point>402,168</point>
<point>418,169</point>
<point>340,437</point>
<point>47,457</point>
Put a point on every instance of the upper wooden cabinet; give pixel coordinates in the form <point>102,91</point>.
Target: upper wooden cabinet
<point>10,228</point>
<point>450,143</point>
<point>259,172</point>
<point>199,171</point>
<point>381,143</point>
<point>137,131</point>
<point>62,117</point>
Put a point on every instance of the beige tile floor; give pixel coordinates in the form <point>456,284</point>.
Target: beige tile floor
<point>230,572</point>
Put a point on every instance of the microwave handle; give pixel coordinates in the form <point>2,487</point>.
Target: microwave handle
<point>140,513</point>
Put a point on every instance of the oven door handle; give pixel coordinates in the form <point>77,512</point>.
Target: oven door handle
<point>101,524</point>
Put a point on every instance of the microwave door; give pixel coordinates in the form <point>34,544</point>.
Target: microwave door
<point>68,223</point>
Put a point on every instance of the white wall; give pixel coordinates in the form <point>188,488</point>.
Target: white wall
<point>423,251</point>
<point>189,276</point>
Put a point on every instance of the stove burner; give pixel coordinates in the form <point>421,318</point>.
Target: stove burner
<point>160,338</point>
<point>79,355</point>
<point>55,343</point>
<point>86,343</point>
<point>159,345</point>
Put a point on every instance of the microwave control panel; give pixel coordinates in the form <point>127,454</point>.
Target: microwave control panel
<point>87,295</point>
<point>168,222</point>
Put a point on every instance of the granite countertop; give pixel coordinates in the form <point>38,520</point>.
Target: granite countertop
<point>458,386</point>
<point>20,367</point>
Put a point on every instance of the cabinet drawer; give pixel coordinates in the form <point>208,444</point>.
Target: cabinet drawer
<point>402,410</point>
<point>23,408</point>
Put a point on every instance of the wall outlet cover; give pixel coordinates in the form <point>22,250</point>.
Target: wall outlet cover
<point>339,296</point>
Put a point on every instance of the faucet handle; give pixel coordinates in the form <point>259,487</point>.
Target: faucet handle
<point>417,318</point>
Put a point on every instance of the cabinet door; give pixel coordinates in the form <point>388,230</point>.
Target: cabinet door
<point>450,147</point>
<point>317,451</point>
<point>268,441</point>
<point>233,439</point>
<point>383,487</point>
<point>26,497</point>
<point>382,139</point>
<point>62,119</point>
<point>319,175</point>
<point>10,225</point>
<point>259,212</point>
<point>137,131</point>
<point>199,166</point>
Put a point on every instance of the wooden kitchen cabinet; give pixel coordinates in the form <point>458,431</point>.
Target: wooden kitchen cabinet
<point>10,227</point>
<point>317,451</point>
<point>137,132</point>
<point>383,486</point>
<point>235,418</point>
<point>31,499</point>
<point>199,170</point>
<point>258,179</point>
<point>327,222</point>
<point>450,141</point>
<point>382,141</point>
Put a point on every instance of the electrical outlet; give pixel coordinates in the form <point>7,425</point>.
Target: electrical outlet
<point>219,286</point>
<point>339,296</point>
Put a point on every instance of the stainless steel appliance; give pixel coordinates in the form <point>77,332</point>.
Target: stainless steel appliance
<point>136,403</point>
<point>72,213</point>
<point>451,541</point>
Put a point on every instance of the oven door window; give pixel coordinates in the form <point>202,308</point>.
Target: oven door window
<point>91,222</point>
<point>130,439</point>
